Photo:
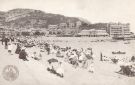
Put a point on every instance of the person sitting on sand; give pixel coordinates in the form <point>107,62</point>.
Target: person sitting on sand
<point>89,53</point>
<point>90,66</point>
<point>23,55</point>
<point>37,55</point>
<point>133,58</point>
<point>82,57</point>
<point>60,70</point>
<point>126,68</point>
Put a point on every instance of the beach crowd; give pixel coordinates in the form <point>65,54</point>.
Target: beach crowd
<point>31,47</point>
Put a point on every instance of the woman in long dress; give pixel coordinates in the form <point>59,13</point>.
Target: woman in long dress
<point>18,49</point>
<point>10,48</point>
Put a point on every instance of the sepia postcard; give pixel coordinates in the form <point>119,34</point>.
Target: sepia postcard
<point>67,42</point>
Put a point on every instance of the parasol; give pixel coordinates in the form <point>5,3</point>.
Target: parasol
<point>52,60</point>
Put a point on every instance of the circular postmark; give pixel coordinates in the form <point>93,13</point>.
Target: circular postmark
<point>10,73</point>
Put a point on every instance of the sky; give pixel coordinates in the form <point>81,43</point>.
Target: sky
<point>93,10</point>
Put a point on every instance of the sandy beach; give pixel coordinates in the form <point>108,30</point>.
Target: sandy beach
<point>34,72</point>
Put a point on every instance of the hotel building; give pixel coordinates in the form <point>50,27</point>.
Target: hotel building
<point>118,30</point>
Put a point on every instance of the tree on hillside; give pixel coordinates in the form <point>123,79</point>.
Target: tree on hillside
<point>37,33</point>
<point>25,33</point>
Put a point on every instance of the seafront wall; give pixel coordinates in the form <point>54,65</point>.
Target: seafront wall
<point>76,39</point>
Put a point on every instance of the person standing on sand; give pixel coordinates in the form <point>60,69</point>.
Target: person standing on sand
<point>18,49</point>
<point>48,49</point>
<point>10,48</point>
<point>6,40</point>
<point>2,40</point>
<point>12,39</point>
<point>101,56</point>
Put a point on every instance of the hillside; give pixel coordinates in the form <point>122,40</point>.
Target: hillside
<point>25,18</point>
<point>2,16</point>
<point>30,18</point>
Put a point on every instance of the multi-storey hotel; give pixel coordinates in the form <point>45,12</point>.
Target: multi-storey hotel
<point>114,30</point>
<point>118,30</point>
<point>67,29</point>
